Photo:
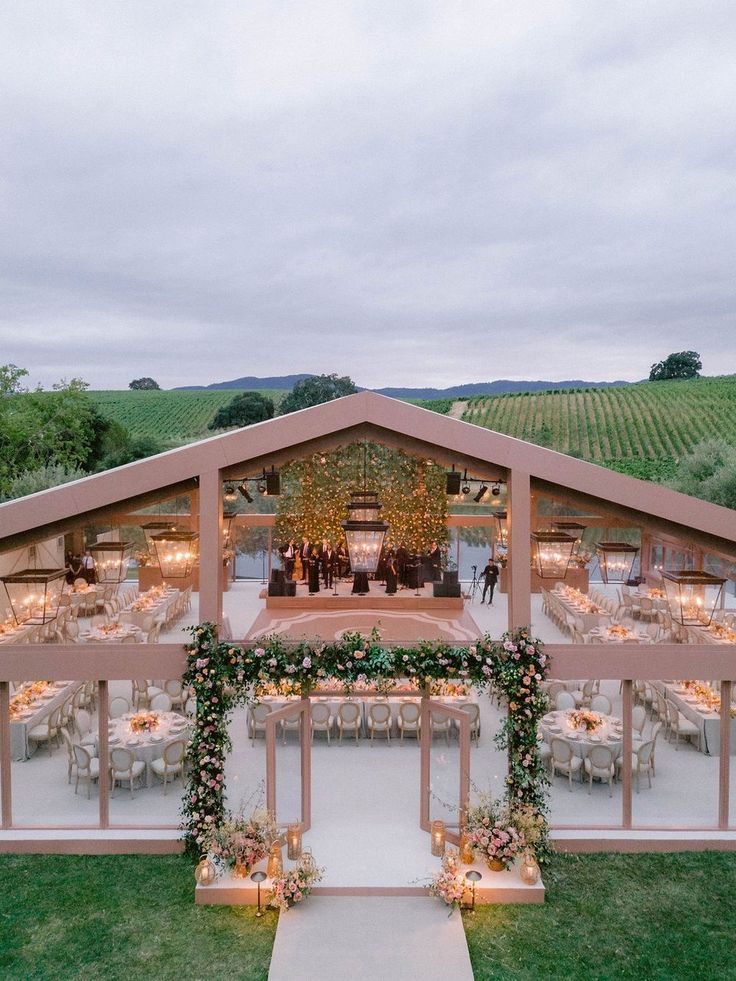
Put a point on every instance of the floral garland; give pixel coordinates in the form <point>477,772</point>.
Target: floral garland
<point>223,676</point>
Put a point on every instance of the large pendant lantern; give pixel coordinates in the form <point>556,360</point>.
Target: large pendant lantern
<point>692,596</point>
<point>364,531</point>
<point>502,527</point>
<point>227,527</point>
<point>156,528</point>
<point>35,594</point>
<point>177,553</point>
<point>111,560</point>
<point>572,528</point>
<point>616,560</point>
<point>552,551</point>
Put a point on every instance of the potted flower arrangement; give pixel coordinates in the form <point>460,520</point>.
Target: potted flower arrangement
<point>449,883</point>
<point>493,832</point>
<point>293,885</point>
<point>239,843</point>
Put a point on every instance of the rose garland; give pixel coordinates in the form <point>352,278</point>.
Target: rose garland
<point>222,676</point>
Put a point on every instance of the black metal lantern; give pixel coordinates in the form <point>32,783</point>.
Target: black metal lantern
<point>552,551</point>
<point>616,560</point>
<point>364,531</point>
<point>34,594</point>
<point>156,528</point>
<point>502,527</point>
<point>692,596</point>
<point>572,528</point>
<point>177,553</point>
<point>111,560</point>
<point>227,527</point>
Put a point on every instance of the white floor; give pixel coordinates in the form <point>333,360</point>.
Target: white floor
<point>425,943</point>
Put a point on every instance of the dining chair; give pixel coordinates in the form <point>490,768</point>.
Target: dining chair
<point>348,719</point>
<point>564,759</point>
<point>379,720</point>
<point>320,719</point>
<point>124,767</point>
<point>161,702</point>
<point>171,764</point>
<point>565,700</point>
<point>118,706</point>
<point>473,710</point>
<point>257,720</point>
<point>439,723</point>
<point>599,765</point>
<point>600,703</point>
<point>409,719</point>
<point>88,767</point>
<point>47,731</point>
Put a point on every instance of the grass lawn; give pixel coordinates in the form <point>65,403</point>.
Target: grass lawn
<point>616,916</point>
<point>607,916</point>
<point>130,916</point>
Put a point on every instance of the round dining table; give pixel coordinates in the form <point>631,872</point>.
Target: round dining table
<point>147,746</point>
<point>558,725</point>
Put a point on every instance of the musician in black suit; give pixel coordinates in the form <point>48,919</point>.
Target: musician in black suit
<point>313,565</point>
<point>288,556</point>
<point>490,577</point>
<point>391,572</point>
<point>402,557</point>
<point>305,550</point>
<point>328,558</point>
<point>435,560</point>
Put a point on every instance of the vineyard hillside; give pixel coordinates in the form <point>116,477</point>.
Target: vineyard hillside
<point>641,429</point>
<point>172,417</point>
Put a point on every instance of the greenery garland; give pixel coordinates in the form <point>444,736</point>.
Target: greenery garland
<point>223,675</point>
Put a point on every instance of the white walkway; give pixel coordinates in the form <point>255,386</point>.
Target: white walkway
<point>366,939</point>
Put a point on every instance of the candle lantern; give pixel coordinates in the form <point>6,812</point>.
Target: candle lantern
<point>572,528</point>
<point>307,861</point>
<point>502,527</point>
<point>34,594</point>
<point>205,873</point>
<point>529,870</point>
<point>155,528</point>
<point>275,861</point>
<point>692,595</point>
<point>111,560</point>
<point>227,527</point>
<point>294,842</point>
<point>364,531</point>
<point>466,849</point>
<point>437,833</point>
<point>552,551</point>
<point>177,553</point>
<point>616,560</point>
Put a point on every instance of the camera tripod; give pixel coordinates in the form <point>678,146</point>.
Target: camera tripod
<point>474,584</point>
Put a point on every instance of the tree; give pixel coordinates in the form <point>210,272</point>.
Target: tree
<point>684,364</point>
<point>144,385</point>
<point>315,391</point>
<point>243,410</point>
<point>709,472</point>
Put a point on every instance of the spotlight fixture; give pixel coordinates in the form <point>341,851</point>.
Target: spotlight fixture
<point>466,488</point>
<point>496,490</point>
<point>243,488</point>
<point>482,491</point>
<point>261,487</point>
<point>229,494</point>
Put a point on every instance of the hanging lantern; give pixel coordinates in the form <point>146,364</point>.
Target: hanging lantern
<point>616,560</point>
<point>35,594</point>
<point>111,560</point>
<point>502,527</point>
<point>227,527</point>
<point>572,528</point>
<point>177,553</point>
<point>364,531</point>
<point>156,528</point>
<point>552,551</point>
<point>692,596</point>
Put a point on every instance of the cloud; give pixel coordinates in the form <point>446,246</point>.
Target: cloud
<point>407,193</point>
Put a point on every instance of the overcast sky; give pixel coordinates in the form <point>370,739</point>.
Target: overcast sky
<point>411,193</point>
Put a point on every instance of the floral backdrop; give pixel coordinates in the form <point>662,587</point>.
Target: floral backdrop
<point>223,675</point>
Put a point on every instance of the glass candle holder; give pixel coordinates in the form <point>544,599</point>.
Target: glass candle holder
<point>275,861</point>
<point>467,854</point>
<point>529,870</point>
<point>437,833</point>
<point>294,842</point>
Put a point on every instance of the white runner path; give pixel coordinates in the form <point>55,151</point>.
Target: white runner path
<point>334,938</point>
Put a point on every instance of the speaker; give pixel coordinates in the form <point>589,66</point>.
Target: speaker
<point>452,485</point>
<point>273,484</point>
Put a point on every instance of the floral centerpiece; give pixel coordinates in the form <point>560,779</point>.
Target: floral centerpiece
<point>26,697</point>
<point>494,832</point>
<point>144,722</point>
<point>618,631</point>
<point>238,843</point>
<point>293,885</point>
<point>449,883</point>
<point>585,719</point>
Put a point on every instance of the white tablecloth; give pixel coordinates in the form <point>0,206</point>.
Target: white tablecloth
<point>147,746</point>
<point>158,610</point>
<point>122,633</point>
<point>708,722</point>
<point>39,711</point>
<point>610,734</point>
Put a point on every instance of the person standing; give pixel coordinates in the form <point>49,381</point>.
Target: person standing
<point>328,558</point>
<point>402,557</point>
<point>391,572</point>
<point>435,561</point>
<point>288,554</point>
<point>305,550</point>
<point>343,560</point>
<point>490,578</point>
<point>88,570</point>
<point>313,564</point>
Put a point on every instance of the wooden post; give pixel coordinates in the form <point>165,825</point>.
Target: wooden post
<point>6,805</point>
<point>520,599</point>
<point>724,766</point>
<point>210,547</point>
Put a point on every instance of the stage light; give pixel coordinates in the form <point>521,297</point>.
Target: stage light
<point>481,494</point>
<point>261,487</point>
<point>466,488</point>
<point>496,490</point>
<point>229,495</point>
<point>243,488</point>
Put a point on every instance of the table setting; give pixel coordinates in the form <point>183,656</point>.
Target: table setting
<point>146,734</point>
<point>111,633</point>
<point>583,729</point>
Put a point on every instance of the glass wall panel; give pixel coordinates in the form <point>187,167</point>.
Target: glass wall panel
<point>52,783</point>
<point>682,763</point>
<point>582,737</point>
<point>148,730</point>
<point>245,767</point>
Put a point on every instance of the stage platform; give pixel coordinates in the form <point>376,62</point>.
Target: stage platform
<point>404,601</point>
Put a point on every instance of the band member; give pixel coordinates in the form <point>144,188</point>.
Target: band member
<point>305,550</point>
<point>313,564</point>
<point>343,560</point>
<point>329,560</point>
<point>402,557</point>
<point>490,578</point>
<point>435,560</point>
<point>391,572</point>
<point>288,555</point>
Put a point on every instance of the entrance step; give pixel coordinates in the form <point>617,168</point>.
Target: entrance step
<point>364,939</point>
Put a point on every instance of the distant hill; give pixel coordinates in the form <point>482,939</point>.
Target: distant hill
<point>502,386</point>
